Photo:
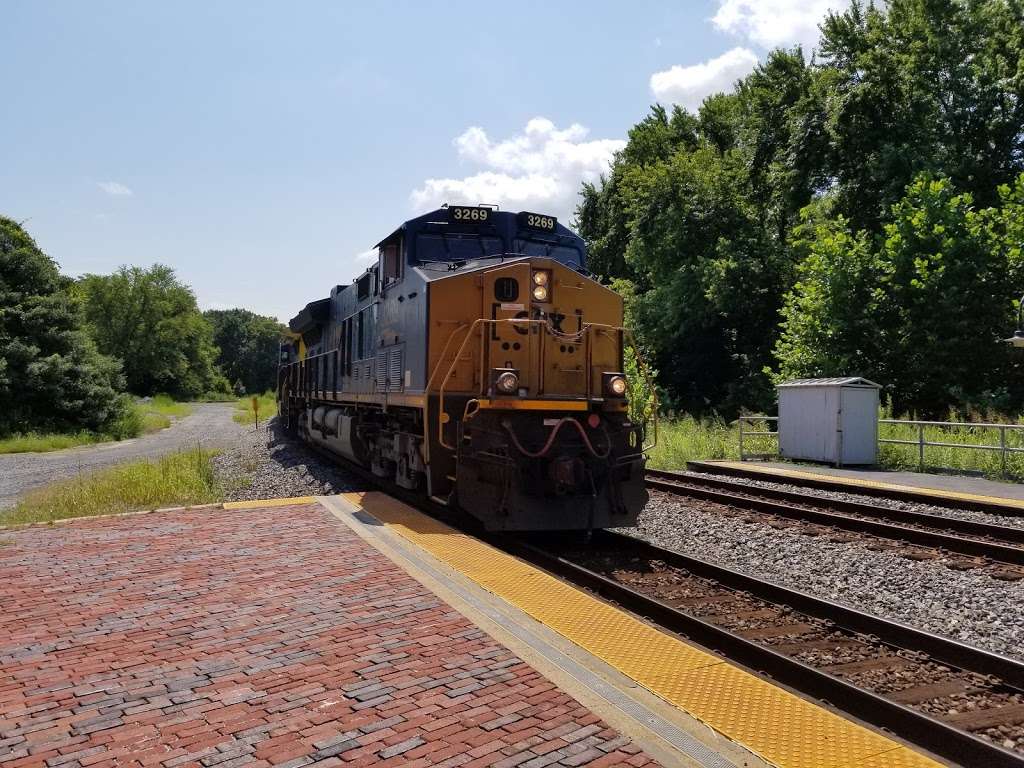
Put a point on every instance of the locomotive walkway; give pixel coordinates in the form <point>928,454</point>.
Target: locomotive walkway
<point>266,636</point>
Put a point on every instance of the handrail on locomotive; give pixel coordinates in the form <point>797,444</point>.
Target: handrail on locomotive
<point>313,361</point>
<point>543,325</point>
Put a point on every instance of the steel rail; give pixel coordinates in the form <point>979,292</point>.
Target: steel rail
<point>1003,533</point>
<point>750,497</point>
<point>825,483</point>
<point>930,733</point>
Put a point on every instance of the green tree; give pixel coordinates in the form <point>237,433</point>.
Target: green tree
<point>51,376</point>
<point>920,308</point>
<point>695,213</point>
<point>249,345</point>
<point>918,86</point>
<point>149,320</point>
<point>708,216</point>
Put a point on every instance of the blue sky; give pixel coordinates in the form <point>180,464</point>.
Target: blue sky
<point>260,149</point>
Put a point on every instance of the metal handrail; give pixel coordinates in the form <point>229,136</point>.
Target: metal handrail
<point>753,420</point>
<point>584,331</point>
<point>921,443</point>
<point>979,424</point>
<point>426,389</point>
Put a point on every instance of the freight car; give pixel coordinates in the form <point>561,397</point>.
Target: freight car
<point>478,363</point>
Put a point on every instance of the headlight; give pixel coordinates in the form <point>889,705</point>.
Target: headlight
<point>615,384</point>
<point>540,292</point>
<point>540,278</point>
<point>507,382</point>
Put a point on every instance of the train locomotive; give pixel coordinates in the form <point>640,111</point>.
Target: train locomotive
<point>478,363</point>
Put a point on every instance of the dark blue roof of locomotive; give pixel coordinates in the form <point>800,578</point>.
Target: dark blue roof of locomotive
<point>502,225</point>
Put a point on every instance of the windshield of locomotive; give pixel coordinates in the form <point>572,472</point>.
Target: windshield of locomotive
<point>566,254</point>
<point>433,247</point>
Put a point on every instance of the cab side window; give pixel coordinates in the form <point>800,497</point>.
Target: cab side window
<point>390,263</point>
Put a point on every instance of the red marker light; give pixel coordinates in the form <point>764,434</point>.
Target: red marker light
<point>593,421</point>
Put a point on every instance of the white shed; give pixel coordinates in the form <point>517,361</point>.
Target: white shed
<point>833,420</point>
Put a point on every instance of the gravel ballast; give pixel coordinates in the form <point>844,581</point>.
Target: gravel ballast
<point>1009,521</point>
<point>264,464</point>
<point>963,605</point>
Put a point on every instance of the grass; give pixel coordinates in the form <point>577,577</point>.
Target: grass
<point>267,408</point>
<point>144,417</point>
<point>216,397</point>
<point>34,442</point>
<point>158,412</point>
<point>962,460</point>
<point>167,406</point>
<point>176,479</point>
<point>686,438</point>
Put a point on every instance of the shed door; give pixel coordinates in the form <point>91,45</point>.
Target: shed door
<point>859,423</point>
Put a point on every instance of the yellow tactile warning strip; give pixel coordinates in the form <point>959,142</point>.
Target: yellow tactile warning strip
<point>776,725</point>
<point>940,493</point>
<point>286,502</point>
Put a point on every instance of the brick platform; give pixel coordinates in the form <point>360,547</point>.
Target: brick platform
<point>258,637</point>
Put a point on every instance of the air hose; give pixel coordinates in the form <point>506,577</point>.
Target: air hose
<point>551,439</point>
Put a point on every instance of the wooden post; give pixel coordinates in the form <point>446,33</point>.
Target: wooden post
<point>256,410</point>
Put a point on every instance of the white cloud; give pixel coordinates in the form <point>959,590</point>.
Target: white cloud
<point>540,169</point>
<point>114,188</point>
<point>771,23</point>
<point>689,86</point>
<point>761,23</point>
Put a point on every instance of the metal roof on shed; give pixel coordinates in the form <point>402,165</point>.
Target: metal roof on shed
<point>835,381</point>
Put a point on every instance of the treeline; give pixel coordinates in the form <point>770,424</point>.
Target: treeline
<point>73,352</point>
<point>858,213</point>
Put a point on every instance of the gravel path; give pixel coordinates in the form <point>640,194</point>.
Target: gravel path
<point>209,425</point>
<point>264,464</point>
<point>967,606</point>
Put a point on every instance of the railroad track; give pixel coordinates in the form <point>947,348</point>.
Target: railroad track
<point>955,700</point>
<point>883,490</point>
<point>973,544</point>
